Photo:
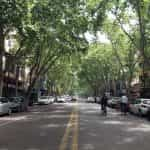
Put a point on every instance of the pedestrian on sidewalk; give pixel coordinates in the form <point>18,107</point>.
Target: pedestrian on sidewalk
<point>124,104</point>
<point>104,100</point>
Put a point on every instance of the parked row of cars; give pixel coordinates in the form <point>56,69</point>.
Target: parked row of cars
<point>93,99</point>
<point>66,98</point>
<point>17,104</point>
<point>45,100</point>
<point>11,104</point>
<point>139,106</point>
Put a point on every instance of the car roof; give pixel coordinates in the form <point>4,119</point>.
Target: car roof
<point>143,99</point>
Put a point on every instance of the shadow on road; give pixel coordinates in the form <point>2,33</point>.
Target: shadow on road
<point>112,132</point>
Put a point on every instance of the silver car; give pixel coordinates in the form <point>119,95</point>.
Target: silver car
<point>14,104</point>
<point>61,99</point>
<point>114,102</point>
<point>44,100</point>
<point>140,106</point>
<point>51,99</point>
<point>4,106</point>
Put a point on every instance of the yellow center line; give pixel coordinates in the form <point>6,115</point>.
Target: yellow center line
<point>64,141</point>
<point>72,126</point>
<point>75,132</point>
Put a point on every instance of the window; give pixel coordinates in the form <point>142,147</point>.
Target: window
<point>3,100</point>
<point>138,101</point>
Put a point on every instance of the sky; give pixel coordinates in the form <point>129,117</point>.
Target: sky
<point>101,37</point>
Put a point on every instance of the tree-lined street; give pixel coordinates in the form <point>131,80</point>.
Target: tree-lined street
<point>56,127</point>
<point>61,59</point>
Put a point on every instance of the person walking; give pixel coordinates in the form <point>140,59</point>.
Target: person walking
<point>124,104</point>
<point>104,100</point>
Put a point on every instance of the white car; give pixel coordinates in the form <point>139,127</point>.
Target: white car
<point>61,99</point>
<point>98,100</point>
<point>4,106</point>
<point>140,106</point>
<point>68,98</point>
<point>114,102</point>
<point>44,100</point>
<point>51,99</point>
<point>91,100</point>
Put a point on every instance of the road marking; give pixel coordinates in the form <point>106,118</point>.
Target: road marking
<point>75,132</point>
<point>11,120</point>
<point>6,123</point>
<point>64,141</point>
<point>72,127</point>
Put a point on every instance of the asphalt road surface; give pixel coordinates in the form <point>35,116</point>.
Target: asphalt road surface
<point>73,126</point>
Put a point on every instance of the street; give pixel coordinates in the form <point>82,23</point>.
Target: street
<point>73,126</point>
<point>59,59</point>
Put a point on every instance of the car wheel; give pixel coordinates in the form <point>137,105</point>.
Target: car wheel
<point>9,111</point>
<point>148,115</point>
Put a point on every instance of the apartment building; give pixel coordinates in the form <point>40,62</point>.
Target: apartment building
<point>14,74</point>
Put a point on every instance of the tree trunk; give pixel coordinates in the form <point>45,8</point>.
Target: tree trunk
<point>28,93</point>
<point>114,88</point>
<point>129,84</point>
<point>17,76</point>
<point>2,49</point>
<point>142,36</point>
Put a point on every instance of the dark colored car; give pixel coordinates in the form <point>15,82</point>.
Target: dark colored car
<point>74,99</point>
<point>21,101</point>
<point>148,114</point>
<point>17,104</point>
<point>14,105</point>
<point>114,102</point>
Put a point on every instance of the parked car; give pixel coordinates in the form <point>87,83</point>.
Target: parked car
<point>148,114</point>
<point>4,106</point>
<point>74,98</point>
<point>51,99</point>
<point>68,98</point>
<point>90,99</point>
<point>61,99</point>
<point>43,100</point>
<point>140,106</point>
<point>21,101</point>
<point>98,100</point>
<point>114,102</point>
<point>14,104</point>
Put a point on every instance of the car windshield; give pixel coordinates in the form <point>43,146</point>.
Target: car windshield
<point>51,97</point>
<point>115,98</point>
<point>138,101</point>
<point>13,99</point>
<point>146,102</point>
<point>44,97</point>
<point>21,99</point>
<point>3,100</point>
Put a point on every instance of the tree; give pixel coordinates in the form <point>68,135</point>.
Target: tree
<point>98,68</point>
<point>131,18</point>
<point>57,31</point>
<point>124,51</point>
<point>60,77</point>
<point>139,37</point>
<point>45,32</point>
